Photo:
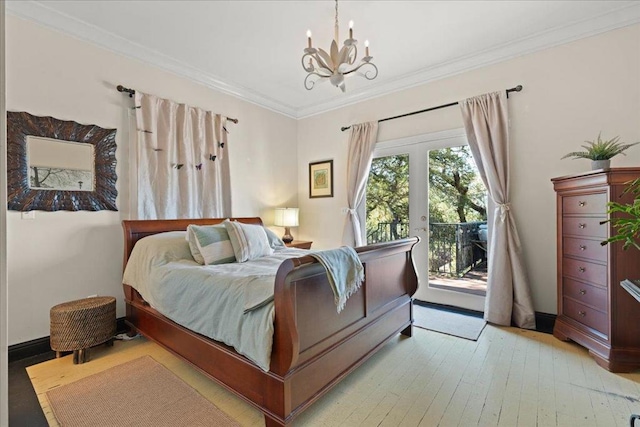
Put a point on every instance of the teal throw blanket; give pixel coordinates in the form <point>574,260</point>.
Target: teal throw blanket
<point>344,271</point>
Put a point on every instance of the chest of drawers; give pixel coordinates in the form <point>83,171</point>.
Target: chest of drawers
<point>593,309</point>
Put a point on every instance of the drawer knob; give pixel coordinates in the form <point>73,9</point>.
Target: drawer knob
<point>581,203</point>
<point>582,313</point>
<point>582,225</point>
<point>583,291</point>
<point>583,248</point>
<point>582,269</point>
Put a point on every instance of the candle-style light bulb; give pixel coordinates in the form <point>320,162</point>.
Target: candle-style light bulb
<point>366,46</point>
<point>309,38</point>
<point>351,29</point>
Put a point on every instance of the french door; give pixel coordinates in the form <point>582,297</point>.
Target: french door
<point>397,206</point>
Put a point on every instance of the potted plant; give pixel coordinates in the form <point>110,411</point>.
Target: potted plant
<point>600,152</point>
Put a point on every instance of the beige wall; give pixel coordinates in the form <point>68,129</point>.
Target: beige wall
<point>62,256</point>
<point>571,93</point>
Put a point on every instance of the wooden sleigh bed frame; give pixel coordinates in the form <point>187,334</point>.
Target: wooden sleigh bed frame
<point>314,347</point>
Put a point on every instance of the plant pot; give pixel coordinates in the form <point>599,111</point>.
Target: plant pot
<point>600,164</point>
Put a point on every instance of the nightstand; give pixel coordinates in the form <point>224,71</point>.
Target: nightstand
<point>300,244</point>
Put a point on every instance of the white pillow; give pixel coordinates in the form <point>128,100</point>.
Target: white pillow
<point>212,243</point>
<point>151,252</point>
<point>249,241</point>
<point>274,240</point>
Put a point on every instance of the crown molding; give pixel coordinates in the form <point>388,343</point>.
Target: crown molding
<point>41,14</point>
<point>622,17</point>
<point>37,12</point>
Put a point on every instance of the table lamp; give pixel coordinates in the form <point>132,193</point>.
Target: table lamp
<point>286,217</point>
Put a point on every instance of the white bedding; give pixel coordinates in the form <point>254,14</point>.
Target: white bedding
<point>231,303</point>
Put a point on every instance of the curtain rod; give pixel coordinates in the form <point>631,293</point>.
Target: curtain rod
<point>513,89</point>
<point>132,92</point>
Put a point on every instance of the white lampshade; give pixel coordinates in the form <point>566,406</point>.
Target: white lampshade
<point>286,217</point>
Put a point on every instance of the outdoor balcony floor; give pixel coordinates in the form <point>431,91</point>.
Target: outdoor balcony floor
<point>473,282</point>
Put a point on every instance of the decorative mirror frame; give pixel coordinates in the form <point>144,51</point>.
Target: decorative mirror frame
<point>21,197</point>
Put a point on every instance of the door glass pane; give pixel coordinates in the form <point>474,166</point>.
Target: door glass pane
<point>457,222</point>
<point>388,199</point>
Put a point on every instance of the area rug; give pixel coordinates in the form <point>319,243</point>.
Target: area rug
<point>447,322</point>
<point>141,392</point>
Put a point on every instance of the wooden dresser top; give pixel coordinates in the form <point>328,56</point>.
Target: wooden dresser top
<point>613,176</point>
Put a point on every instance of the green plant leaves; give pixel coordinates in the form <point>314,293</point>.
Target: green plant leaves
<point>627,227</point>
<point>601,150</point>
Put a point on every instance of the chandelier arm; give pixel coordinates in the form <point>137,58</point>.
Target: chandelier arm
<point>319,67</point>
<point>309,84</point>
<point>307,69</point>
<point>366,74</point>
<point>322,69</point>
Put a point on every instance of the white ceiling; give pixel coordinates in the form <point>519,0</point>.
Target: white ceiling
<point>252,49</point>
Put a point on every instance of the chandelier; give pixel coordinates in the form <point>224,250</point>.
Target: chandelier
<point>336,64</point>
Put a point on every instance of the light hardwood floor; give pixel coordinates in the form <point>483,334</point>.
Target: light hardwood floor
<point>509,377</point>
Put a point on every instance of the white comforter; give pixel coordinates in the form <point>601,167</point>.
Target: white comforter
<point>231,303</point>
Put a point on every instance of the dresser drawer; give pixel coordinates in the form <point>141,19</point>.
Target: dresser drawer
<point>592,296</point>
<point>586,315</point>
<point>585,204</point>
<point>584,248</point>
<point>585,271</point>
<point>587,227</point>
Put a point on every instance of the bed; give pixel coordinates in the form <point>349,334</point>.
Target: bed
<point>314,347</point>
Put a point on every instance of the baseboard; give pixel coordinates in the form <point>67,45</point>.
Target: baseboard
<point>450,308</point>
<point>28,349</point>
<point>544,321</point>
<point>41,345</point>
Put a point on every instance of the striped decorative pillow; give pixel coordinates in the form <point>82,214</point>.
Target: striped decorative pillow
<point>212,243</point>
<point>193,245</point>
<point>249,241</point>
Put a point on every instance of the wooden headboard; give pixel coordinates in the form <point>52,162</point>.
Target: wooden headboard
<point>135,230</point>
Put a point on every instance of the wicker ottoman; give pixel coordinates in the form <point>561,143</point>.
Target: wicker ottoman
<point>78,325</point>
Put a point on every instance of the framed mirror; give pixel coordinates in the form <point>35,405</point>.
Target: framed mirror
<point>59,165</point>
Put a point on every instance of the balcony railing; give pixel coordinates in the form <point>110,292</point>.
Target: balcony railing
<point>454,249</point>
<point>387,231</point>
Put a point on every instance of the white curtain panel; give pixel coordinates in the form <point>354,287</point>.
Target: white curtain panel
<point>486,123</point>
<point>182,161</point>
<point>362,142</point>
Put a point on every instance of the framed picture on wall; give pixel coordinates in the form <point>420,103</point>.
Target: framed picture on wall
<point>321,179</point>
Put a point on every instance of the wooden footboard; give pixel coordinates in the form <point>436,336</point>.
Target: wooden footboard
<point>314,347</point>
